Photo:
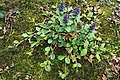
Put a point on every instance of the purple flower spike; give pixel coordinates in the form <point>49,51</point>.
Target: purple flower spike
<point>76,11</point>
<point>92,27</point>
<point>61,6</point>
<point>66,18</point>
<point>79,25</point>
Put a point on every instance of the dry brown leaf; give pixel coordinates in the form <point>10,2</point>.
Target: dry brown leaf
<point>73,35</point>
<point>1,70</point>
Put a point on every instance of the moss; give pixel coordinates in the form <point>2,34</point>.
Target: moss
<point>30,12</point>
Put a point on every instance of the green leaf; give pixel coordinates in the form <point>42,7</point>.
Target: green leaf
<point>2,14</point>
<point>60,29</point>
<point>16,42</point>
<point>102,48</point>
<point>44,26</point>
<point>53,19</point>
<point>50,22</point>
<point>73,58</point>
<point>38,33</point>
<point>90,14</point>
<point>78,18</point>
<point>68,45</point>
<point>47,49</point>
<point>44,31</point>
<point>83,15</point>
<point>42,35</point>
<point>86,44</point>
<point>49,62</point>
<point>60,45</point>
<point>25,35</point>
<point>103,13</point>
<point>34,44</point>
<point>99,39</point>
<point>49,41</point>
<point>61,57</point>
<point>60,18</point>
<point>45,38</point>
<point>69,9</point>
<point>83,52</point>
<point>99,11</point>
<point>53,34</point>
<point>79,65</point>
<point>55,37</point>
<point>10,47</point>
<point>110,75</point>
<point>98,57</point>
<point>52,56</point>
<point>46,53</point>
<point>102,45</point>
<point>86,28</point>
<point>42,65</point>
<point>68,28</point>
<point>88,18</point>
<point>74,41</point>
<point>76,65</point>
<point>67,60</point>
<point>70,22</point>
<point>69,49</point>
<point>57,12</point>
<point>37,28</point>
<point>45,62</point>
<point>47,68</point>
<point>53,6</point>
<point>63,76</point>
<point>29,53</point>
<point>60,73</point>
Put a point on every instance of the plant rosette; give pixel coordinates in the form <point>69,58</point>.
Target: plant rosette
<point>65,29</point>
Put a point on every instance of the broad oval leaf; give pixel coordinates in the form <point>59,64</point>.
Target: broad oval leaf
<point>25,35</point>
<point>16,42</point>
<point>67,60</point>
<point>83,52</point>
<point>42,65</point>
<point>68,28</point>
<point>47,49</point>
<point>61,57</point>
<point>42,35</point>
<point>37,28</point>
<point>86,44</point>
<point>76,65</point>
<point>52,56</point>
<point>49,41</point>
<point>47,68</point>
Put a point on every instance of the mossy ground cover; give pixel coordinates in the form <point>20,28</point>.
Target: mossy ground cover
<point>17,65</point>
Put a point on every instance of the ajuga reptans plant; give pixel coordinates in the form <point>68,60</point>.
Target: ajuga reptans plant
<point>69,32</point>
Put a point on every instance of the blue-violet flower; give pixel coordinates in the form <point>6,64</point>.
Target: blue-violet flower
<point>61,6</point>
<point>79,25</point>
<point>92,27</point>
<point>66,18</point>
<point>76,11</point>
